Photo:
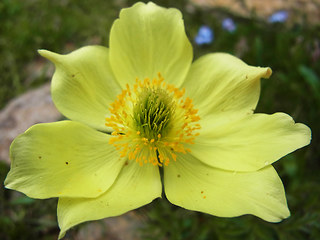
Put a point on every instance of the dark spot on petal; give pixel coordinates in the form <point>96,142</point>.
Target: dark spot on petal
<point>126,163</point>
<point>178,175</point>
<point>39,157</point>
<point>72,75</point>
<point>201,192</point>
<point>67,163</point>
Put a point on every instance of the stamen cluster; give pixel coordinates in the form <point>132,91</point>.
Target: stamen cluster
<point>152,122</point>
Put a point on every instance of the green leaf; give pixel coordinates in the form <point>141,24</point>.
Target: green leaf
<point>311,78</point>
<point>23,200</point>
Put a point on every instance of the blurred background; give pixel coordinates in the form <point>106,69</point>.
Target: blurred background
<point>281,34</point>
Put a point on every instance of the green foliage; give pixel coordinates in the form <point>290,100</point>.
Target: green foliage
<point>291,51</point>
<point>25,218</point>
<point>27,26</point>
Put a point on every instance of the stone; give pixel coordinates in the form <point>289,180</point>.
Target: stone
<point>263,9</point>
<point>32,107</point>
<point>114,228</point>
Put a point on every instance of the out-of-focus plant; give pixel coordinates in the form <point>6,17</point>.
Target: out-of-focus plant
<point>205,35</point>
<point>279,16</point>
<point>229,25</point>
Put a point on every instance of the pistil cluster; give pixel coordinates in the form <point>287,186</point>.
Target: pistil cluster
<point>152,122</point>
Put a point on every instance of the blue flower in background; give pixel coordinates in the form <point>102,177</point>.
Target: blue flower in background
<point>205,35</point>
<point>280,16</point>
<point>229,25</point>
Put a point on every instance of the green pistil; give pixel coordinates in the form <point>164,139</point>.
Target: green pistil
<point>153,113</point>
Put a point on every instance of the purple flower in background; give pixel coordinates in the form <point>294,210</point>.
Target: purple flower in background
<point>229,25</point>
<point>279,16</point>
<point>205,35</point>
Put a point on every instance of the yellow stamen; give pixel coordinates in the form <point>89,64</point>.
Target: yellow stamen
<point>152,122</point>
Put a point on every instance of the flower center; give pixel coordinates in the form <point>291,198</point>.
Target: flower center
<point>153,113</point>
<point>152,122</point>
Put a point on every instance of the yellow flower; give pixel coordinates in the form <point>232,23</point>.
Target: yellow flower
<point>141,105</point>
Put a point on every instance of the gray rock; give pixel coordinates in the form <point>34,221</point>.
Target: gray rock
<point>34,106</point>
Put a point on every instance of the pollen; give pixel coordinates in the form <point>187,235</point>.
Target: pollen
<point>152,122</point>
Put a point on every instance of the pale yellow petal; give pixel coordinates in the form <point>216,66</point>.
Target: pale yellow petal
<point>148,39</point>
<point>136,186</point>
<point>199,187</point>
<point>83,85</point>
<point>62,159</point>
<point>220,83</point>
<point>250,143</point>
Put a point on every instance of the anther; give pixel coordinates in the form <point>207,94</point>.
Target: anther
<point>153,112</point>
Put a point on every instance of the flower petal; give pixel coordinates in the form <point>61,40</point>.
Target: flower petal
<point>62,159</point>
<point>148,39</point>
<point>83,84</point>
<point>250,143</point>
<point>196,186</point>
<point>136,186</point>
<point>220,82</point>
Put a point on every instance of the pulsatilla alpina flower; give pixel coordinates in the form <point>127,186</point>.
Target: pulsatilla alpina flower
<point>141,105</point>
